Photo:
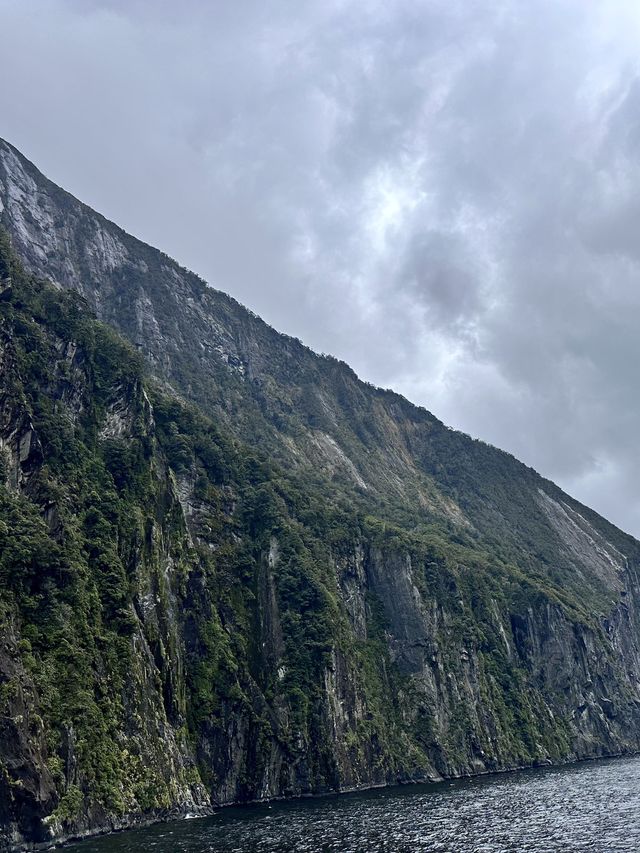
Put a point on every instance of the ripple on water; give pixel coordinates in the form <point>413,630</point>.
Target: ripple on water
<point>591,807</point>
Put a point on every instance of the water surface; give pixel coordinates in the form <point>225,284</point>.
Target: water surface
<point>594,806</point>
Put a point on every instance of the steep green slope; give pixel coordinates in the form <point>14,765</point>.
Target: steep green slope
<point>309,413</point>
<point>278,581</point>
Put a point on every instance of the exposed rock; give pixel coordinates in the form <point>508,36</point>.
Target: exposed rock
<point>236,572</point>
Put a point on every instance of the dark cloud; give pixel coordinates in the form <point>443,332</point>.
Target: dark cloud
<point>444,194</point>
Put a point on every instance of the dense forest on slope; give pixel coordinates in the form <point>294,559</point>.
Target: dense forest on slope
<point>308,413</point>
<point>243,573</point>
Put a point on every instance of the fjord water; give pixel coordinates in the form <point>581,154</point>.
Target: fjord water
<point>594,806</point>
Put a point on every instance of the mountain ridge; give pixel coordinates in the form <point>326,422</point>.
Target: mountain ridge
<point>256,575</point>
<point>26,238</point>
<point>228,355</point>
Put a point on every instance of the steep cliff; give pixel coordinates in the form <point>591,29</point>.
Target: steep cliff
<point>231,571</point>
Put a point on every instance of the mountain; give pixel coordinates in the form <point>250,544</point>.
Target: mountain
<point>232,571</point>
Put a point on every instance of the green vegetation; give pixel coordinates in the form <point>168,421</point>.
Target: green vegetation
<point>179,604</point>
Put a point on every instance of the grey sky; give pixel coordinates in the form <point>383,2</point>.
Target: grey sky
<point>444,194</point>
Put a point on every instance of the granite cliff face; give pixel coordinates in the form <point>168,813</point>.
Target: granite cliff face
<point>231,571</point>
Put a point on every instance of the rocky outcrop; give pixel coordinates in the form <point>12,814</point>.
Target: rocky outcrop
<point>230,571</point>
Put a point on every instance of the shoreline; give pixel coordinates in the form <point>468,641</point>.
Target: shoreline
<point>142,821</point>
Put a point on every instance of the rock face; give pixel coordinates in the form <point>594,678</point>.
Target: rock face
<point>230,571</point>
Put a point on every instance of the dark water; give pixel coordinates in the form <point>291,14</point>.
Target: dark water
<point>593,806</point>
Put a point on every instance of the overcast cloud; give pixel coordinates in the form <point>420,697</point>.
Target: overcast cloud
<point>444,194</point>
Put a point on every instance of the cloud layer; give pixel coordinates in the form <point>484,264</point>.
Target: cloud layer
<point>444,194</point>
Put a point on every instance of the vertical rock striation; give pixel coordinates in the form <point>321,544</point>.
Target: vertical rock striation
<point>230,571</point>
